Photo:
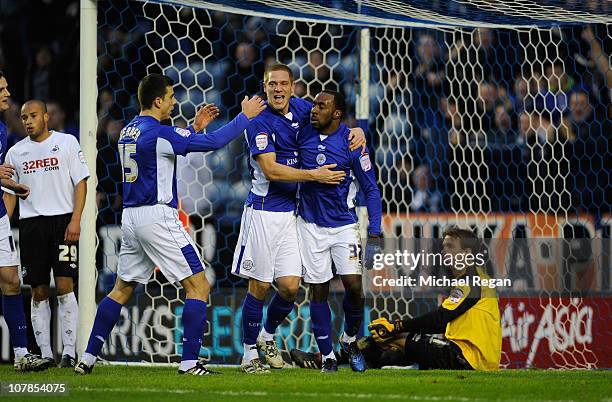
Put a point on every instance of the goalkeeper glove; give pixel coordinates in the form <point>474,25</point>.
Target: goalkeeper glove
<point>373,246</point>
<point>382,330</point>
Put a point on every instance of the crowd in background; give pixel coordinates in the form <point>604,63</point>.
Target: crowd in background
<point>470,120</point>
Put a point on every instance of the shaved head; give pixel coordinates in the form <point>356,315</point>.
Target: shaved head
<point>35,103</point>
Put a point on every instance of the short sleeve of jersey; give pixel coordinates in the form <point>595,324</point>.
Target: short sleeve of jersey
<point>456,298</point>
<point>259,137</point>
<point>78,164</point>
<point>177,137</point>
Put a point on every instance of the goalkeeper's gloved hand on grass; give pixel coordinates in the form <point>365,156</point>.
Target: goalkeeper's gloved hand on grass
<point>373,246</point>
<point>382,330</point>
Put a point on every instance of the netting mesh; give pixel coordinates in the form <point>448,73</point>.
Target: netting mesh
<point>504,130</point>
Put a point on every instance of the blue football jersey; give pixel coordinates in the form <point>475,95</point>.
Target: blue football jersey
<point>273,132</point>
<point>331,205</point>
<point>148,150</point>
<point>3,149</point>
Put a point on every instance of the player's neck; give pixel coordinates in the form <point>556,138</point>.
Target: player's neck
<point>43,136</point>
<point>151,113</point>
<point>329,130</point>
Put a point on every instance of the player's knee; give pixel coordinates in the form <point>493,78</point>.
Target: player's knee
<point>11,285</point>
<point>258,289</point>
<point>40,293</point>
<point>64,286</point>
<point>319,292</point>
<point>289,293</point>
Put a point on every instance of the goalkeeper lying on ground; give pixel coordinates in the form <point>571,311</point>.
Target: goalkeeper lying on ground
<point>469,319</point>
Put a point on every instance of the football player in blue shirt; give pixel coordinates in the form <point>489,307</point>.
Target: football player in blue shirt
<point>152,233</point>
<point>328,228</point>
<point>12,302</point>
<point>267,248</point>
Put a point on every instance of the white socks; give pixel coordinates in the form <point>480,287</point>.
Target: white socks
<point>348,339</point>
<point>41,323</point>
<point>185,364</point>
<point>250,353</point>
<point>265,335</point>
<point>19,353</point>
<point>329,356</point>
<point>68,311</point>
<point>68,316</point>
<point>88,359</point>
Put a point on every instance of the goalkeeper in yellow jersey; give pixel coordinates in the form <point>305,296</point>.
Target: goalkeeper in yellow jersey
<point>469,319</point>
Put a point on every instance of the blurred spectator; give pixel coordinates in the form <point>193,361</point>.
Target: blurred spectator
<point>425,198</point>
<point>427,80</point>
<point>534,129</point>
<point>57,119</point>
<point>503,131</point>
<point>557,87</point>
<point>43,82</point>
<point>12,119</point>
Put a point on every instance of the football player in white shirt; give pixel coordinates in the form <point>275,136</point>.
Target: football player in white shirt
<point>52,165</point>
<point>12,302</point>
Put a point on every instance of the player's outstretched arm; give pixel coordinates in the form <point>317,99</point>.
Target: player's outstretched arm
<point>274,171</point>
<point>221,137</point>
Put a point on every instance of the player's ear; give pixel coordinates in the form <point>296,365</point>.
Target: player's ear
<point>46,117</point>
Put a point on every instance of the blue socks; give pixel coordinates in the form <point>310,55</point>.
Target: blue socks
<point>194,322</point>
<point>320,314</point>
<point>353,317</point>
<point>252,313</point>
<point>278,310</point>
<point>106,318</point>
<point>15,320</point>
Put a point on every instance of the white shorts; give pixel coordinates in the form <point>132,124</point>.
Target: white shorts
<point>154,236</point>
<point>8,251</point>
<point>267,246</point>
<point>320,246</point>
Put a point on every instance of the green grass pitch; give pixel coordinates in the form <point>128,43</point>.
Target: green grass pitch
<point>121,383</point>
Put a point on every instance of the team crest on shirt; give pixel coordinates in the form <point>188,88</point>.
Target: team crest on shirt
<point>55,148</point>
<point>182,131</point>
<point>364,160</point>
<point>261,141</point>
<point>321,158</point>
<point>247,265</point>
<point>456,295</point>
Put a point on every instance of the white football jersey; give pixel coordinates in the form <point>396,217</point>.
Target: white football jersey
<point>51,169</point>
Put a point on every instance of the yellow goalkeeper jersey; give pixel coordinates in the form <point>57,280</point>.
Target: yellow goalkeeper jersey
<point>478,330</point>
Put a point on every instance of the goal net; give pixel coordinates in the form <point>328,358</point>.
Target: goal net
<point>487,114</point>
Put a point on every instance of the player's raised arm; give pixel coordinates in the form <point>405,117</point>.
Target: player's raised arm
<point>221,137</point>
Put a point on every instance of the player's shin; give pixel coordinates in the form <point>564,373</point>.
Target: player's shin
<point>320,315</point>
<point>15,320</point>
<point>252,313</point>
<point>68,311</point>
<point>278,310</point>
<point>353,317</point>
<point>41,324</point>
<point>106,318</point>
<point>194,321</point>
